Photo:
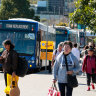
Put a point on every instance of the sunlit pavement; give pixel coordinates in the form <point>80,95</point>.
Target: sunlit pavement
<point>37,85</point>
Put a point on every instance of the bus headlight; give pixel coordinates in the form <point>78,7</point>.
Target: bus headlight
<point>30,65</point>
<point>29,61</point>
<point>33,61</point>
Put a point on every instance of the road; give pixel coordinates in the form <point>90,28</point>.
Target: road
<point>37,84</point>
<point>1,76</point>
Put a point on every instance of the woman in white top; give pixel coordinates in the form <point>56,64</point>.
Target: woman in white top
<point>57,52</point>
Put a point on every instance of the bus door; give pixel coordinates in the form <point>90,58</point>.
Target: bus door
<point>37,51</point>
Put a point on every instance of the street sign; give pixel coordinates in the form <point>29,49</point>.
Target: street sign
<point>50,47</point>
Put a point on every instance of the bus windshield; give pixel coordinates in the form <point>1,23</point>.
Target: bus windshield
<point>24,42</point>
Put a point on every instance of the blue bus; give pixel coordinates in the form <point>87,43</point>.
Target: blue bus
<point>62,34</point>
<point>26,35</point>
<point>66,33</point>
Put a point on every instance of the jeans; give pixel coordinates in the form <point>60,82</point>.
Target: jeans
<point>63,87</point>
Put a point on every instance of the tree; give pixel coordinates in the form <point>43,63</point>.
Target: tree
<point>43,20</point>
<point>85,13</point>
<point>16,9</point>
<point>37,18</point>
<point>62,24</point>
<point>33,1</point>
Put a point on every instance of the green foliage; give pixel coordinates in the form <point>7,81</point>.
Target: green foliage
<point>93,4</point>
<point>43,20</point>
<point>33,1</point>
<point>85,13</point>
<point>62,24</point>
<point>95,40</point>
<point>37,18</point>
<point>15,9</point>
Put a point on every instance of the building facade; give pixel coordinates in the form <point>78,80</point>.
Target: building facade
<point>56,6</point>
<point>61,7</point>
<point>42,7</point>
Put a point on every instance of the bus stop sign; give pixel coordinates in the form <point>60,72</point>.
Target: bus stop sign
<point>50,47</point>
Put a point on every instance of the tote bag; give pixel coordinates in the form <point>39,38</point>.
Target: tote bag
<point>52,91</point>
<point>14,89</point>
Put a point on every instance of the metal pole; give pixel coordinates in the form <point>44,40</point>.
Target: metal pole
<point>46,46</point>
<point>79,37</point>
<point>85,36</point>
<point>63,14</point>
<point>54,15</point>
<point>59,14</point>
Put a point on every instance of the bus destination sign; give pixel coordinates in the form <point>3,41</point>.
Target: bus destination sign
<point>17,26</point>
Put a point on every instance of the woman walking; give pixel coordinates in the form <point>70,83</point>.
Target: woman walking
<point>60,72</point>
<point>9,60</point>
<point>89,66</point>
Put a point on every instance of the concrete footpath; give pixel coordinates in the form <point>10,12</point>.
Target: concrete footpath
<point>37,85</point>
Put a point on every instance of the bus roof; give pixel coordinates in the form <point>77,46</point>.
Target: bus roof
<point>23,19</point>
<point>40,25</point>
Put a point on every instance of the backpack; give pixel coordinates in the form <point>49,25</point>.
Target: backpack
<point>86,58</point>
<point>55,51</point>
<point>22,67</point>
<point>86,52</point>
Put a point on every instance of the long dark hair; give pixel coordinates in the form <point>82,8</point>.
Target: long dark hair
<point>8,42</point>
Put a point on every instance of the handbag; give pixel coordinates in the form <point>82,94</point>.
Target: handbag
<point>14,89</point>
<point>9,83</point>
<point>71,79</point>
<point>53,91</point>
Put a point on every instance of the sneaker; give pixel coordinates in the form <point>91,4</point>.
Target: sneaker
<point>88,89</point>
<point>93,87</point>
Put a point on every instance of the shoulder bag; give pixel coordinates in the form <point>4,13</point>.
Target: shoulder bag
<point>71,79</point>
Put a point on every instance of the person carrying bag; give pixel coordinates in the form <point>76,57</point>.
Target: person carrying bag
<point>63,73</point>
<point>53,91</point>
<point>12,88</point>
<point>71,79</point>
<point>9,60</point>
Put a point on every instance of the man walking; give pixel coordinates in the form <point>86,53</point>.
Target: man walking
<point>76,52</point>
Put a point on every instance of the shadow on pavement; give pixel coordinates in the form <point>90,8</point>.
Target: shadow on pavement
<point>82,84</point>
<point>36,71</point>
<point>81,76</point>
<point>44,72</point>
